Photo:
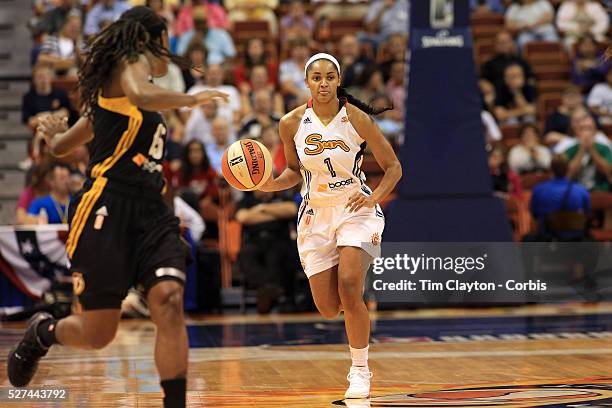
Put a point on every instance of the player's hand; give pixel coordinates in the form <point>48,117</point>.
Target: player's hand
<point>204,97</point>
<point>359,200</point>
<point>49,125</point>
<point>268,186</point>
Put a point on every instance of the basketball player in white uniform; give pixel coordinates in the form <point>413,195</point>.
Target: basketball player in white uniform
<point>340,223</point>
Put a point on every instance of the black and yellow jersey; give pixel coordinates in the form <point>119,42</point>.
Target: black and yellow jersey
<point>128,144</point>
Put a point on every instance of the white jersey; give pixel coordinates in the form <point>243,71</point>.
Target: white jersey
<point>330,156</point>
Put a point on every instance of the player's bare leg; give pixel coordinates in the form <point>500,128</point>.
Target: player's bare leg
<point>324,288</point>
<point>93,329</point>
<point>351,276</point>
<point>165,301</point>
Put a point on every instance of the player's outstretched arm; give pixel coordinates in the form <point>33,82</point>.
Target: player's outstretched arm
<point>148,96</point>
<point>291,175</point>
<point>61,140</point>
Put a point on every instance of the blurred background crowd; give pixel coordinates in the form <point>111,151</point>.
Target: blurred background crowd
<point>546,93</point>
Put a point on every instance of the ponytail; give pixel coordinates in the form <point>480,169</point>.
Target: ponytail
<point>367,108</point>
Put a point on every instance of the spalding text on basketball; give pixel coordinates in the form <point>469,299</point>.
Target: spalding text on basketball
<point>254,158</point>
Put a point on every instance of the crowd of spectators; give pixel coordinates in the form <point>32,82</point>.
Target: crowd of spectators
<point>263,74</point>
<point>515,100</point>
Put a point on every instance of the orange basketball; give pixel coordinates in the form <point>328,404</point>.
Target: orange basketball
<point>246,164</point>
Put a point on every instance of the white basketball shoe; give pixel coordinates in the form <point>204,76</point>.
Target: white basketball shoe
<point>359,383</point>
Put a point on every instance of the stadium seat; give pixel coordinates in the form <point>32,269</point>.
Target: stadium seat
<point>547,103</point>
<point>342,26</point>
<point>529,181</point>
<point>247,29</point>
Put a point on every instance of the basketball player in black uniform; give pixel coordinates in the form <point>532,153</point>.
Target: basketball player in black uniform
<point>122,234</point>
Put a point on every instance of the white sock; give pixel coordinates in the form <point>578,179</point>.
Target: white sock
<point>359,356</point>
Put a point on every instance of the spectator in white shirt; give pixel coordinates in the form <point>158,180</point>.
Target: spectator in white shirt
<point>213,79</point>
<point>532,21</point>
<point>173,79</point>
<point>291,74</point>
<point>578,17</point>
<point>198,127</point>
<point>530,155</point>
<point>62,51</point>
<point>600,100</point>
<point>221,133</point>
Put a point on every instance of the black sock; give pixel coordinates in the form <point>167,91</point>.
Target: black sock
<point>46,332</point>
<point>174,392</point>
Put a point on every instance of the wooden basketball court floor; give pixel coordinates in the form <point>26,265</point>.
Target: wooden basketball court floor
<point>537,356</point>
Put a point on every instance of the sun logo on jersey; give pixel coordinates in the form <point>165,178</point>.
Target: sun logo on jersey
<point>375,238</point>
<point>315,140</point>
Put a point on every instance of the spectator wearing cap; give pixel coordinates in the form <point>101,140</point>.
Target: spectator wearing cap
<point>217,41</point>
<point>104,11</point>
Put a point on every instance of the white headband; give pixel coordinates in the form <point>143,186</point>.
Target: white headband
<point>324,56</point>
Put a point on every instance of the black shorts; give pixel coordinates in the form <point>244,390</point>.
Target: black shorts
<point>120,237</point>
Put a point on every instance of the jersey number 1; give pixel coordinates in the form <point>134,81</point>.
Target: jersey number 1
<point>157,147</point>
<point>330,167</point>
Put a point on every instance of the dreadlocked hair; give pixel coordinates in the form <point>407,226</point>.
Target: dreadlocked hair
<point>138,30</point>
<point>343,94</point>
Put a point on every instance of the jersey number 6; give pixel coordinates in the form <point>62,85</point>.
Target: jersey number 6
<point>157,147</point>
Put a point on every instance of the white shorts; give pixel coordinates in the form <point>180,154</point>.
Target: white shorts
<point>321,230</point>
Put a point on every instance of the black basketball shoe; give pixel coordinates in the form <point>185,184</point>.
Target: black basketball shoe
<point>23,359</point>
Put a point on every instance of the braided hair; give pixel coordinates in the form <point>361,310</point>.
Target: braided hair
<point>138,30</point>
<point>343,94</point>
